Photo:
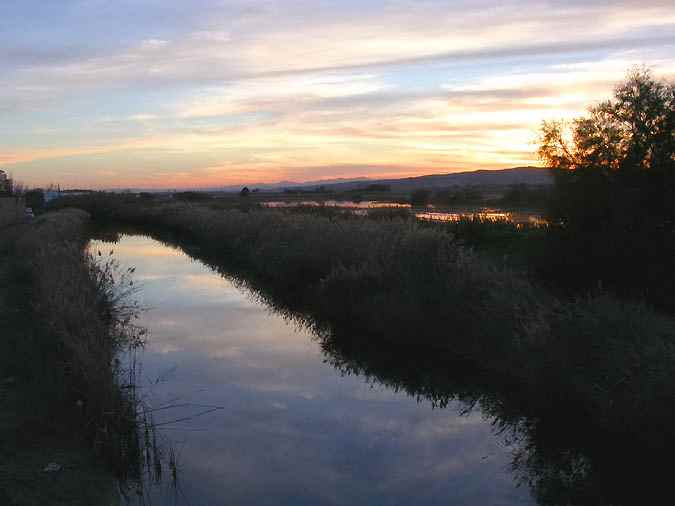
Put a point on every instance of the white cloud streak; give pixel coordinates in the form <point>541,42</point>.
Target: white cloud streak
<point>276,89</point>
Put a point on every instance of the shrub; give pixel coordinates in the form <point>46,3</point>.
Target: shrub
<point>403,283</point>
<point>613,206</point>
<point>78,320</point>
<point>420,198</point>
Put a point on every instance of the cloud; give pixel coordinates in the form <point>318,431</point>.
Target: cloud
<point>267,90</point>
<point>270,42</point>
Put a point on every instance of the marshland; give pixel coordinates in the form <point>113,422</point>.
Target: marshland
<point>347,341</point>
<point>230,278</point>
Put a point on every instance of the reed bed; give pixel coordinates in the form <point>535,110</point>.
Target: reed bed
<point>75,317</point>
<point>399,282</point>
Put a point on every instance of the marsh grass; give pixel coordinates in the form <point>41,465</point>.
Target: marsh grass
<point>71,315</point>
<point>398,282</point>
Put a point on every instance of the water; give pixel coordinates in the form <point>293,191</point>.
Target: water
<point>429,212</point>
<point>484,214</point>
<point>349,204</point>
<point>287,427</point>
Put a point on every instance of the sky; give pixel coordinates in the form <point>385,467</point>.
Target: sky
<point>206,93</point>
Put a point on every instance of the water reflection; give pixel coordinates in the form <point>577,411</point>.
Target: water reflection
<point>429,212</point>
<point>349,204</point>
<point>484,214</point>
<point>304,422</point>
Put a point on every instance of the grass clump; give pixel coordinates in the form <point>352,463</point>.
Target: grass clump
<point>66,316</point>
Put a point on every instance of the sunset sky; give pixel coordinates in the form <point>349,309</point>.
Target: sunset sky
<point>201,93</point>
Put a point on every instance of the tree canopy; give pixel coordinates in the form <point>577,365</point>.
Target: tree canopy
<point>625,145</point>
<point>613,204</point>
<point>634,130</point>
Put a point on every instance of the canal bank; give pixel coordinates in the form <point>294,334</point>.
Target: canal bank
<point>57,388</point>
<point>564,459</point>
<point>259,413</point>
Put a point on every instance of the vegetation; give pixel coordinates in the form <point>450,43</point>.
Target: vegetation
<point>560,459</point>
<point>420,198</point>
<point>560,321</point>
<point>398,282</point>
<point>613,207</point>
<point>522,196</point>
<point>191,196</point>
<point>65,317</point>
<point>466,195</point>
<point>35,199</point>
<point>377,187</point>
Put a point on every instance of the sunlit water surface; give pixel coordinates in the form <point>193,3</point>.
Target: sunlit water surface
<point>292,430</point>
<point>429,212</point>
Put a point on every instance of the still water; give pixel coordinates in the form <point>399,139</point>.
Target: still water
<point>288,428</point>
<point>349,204</point>
<point>428,212</point>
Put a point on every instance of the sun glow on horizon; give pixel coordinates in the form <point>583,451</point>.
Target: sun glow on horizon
<point>250,92</point>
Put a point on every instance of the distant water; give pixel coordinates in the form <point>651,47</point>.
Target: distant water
<point>350,204</point>
<point>291,430</point>
<point>429,212</point>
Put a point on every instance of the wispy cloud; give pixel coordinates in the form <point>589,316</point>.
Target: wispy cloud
<point>267,90</point>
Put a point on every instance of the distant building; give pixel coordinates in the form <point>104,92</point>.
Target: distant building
<point>12,209</point>
<point>5,184</point>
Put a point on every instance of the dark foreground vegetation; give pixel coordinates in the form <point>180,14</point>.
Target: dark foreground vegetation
<point>561,459</point>
<point>66,399</point>
<point>407,303</point>
<point>398,282</point>
<point>613,206</point>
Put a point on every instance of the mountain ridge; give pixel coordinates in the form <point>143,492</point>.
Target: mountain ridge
<point>498,177</point>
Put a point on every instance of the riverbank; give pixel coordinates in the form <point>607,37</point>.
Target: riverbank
<point>397,283</point>
<point>61,401</point>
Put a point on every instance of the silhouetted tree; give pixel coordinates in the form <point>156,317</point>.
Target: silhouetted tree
<point>524,195</point>
<point>146,196</point>
<point>377,187</point>
<point>420,197</point>
<point>614,195</point>
<point>191,196</point>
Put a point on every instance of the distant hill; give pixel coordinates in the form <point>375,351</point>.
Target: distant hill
<point>505,177</point>
<point>294,184</point>
<point>496,177</point>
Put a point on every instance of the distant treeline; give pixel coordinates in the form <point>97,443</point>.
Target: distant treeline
<point>513,196</point>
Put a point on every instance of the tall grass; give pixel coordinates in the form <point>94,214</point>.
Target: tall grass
<point>76,319</point>
<point>397,282</point>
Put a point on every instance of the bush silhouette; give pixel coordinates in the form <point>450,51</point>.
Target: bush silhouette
<point>613,204</point>
<point>420,198</point>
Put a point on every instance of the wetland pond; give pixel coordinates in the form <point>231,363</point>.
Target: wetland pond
<point>257,415</point>
<point>428,212</point>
